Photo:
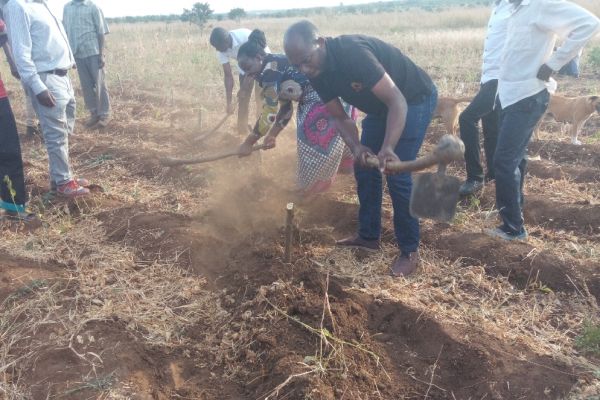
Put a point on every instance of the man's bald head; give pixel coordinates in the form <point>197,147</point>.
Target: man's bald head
<point>305,31</point>
<point>305,48</point>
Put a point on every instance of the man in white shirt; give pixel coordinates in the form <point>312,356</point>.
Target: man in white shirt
<point>43,58</point>
<point>227,44</point>
<point>527,64</point>
<point>482,107</point>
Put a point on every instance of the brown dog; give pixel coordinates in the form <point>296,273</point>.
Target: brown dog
<point>574,110</point>
<point>447,110</point>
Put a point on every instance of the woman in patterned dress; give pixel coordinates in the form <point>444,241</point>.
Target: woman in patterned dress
<point>321,150</point>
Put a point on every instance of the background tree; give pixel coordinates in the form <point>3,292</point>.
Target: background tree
<point>237,14</point>
<point>198,15</point>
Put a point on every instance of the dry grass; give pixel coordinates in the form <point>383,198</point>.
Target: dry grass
<point>161,76</point>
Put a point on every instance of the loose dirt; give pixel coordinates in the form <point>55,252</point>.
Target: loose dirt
<point>249,326</point>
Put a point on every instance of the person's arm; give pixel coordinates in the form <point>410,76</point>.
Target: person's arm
<point>10,59</point>
<point>228,80</point>
<point>284,115</point>
<point>270,109</point>
<point>569,21</point>
<point>101,31</point>
<point>349,131</point>
<point>387,91</point>
<point>101,42</point>
<point>373,76</point>
<point>21,45</point>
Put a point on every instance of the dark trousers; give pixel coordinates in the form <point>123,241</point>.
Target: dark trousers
<point>370,181</point>
<point>12,180</point>
<point>516,127</point>
<point>571,68</point>
<point>481,108</point>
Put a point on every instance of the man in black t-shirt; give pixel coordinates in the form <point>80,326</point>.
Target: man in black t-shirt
<point>399,99</point>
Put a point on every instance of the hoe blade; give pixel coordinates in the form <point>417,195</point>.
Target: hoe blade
<point>434,196</point>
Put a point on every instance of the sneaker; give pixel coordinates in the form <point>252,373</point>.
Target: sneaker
<point>500,233</point>
<point>91,122</point>
<point>405,264</point>
<point>103,122</point>
<point>470,187</point>
<point>72,189</point>
<point>80,181</point>
<point>357,242</point>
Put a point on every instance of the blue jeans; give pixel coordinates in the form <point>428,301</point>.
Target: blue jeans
<point>571,68</point>
<point>370,183</point>
<point>57,125</point>
<point>516,127</point>
<point>481,108</point>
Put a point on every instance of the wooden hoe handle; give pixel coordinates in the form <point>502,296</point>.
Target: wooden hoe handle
<point>171,162</point>
<point>449,148</point>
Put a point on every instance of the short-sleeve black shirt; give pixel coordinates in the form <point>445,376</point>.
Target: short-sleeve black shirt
<point>355,63</point>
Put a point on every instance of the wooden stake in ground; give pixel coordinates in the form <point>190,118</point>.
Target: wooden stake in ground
<point>289,231</point>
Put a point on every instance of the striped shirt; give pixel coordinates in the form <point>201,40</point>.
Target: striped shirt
<point>84,22</point>
<point>38,40</point>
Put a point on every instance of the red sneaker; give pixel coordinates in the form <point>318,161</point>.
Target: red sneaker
<point>83,182</point>
<point>72,189</point>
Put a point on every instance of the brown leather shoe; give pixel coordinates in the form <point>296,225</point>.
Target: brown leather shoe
<point>405,264</point>
<point>358,242</point>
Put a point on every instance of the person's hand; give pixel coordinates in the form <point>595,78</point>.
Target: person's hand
<point>230,108</point>
<point>385,156</point>
<point>15,73</point>
<point>270,141</point>
<point>101,62</point>
<point>361,153</point>
<point>544,73</point>
<point>245,149</point>
<point>46,99</point>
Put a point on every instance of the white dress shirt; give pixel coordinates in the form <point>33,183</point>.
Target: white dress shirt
<point>494,41</point>
<point>533,29</point>
<point>238,38</point>
<point>38,40</point>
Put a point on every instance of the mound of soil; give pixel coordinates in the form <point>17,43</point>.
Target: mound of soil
<point>566,153</point>
<point>582,219</point>
<point>22,277</point>
<point>546,170</point>
<point>519,262</point>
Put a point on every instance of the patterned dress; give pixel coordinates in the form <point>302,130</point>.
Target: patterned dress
<point>321,150</point>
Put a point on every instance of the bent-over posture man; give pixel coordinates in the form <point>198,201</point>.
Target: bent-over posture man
<point>43,58</point>
<point>483,105</point>
<point>527,64</point>
<point>399,99</point>
<point>227,44</point>
<point>85,26</point>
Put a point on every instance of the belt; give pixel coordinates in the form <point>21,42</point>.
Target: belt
<point>59,72</point>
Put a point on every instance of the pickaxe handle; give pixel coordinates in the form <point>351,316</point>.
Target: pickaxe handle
<point>171,162</point>
<point>449,148</point>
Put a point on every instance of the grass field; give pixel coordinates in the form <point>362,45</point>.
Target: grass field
<point>169,283</point>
